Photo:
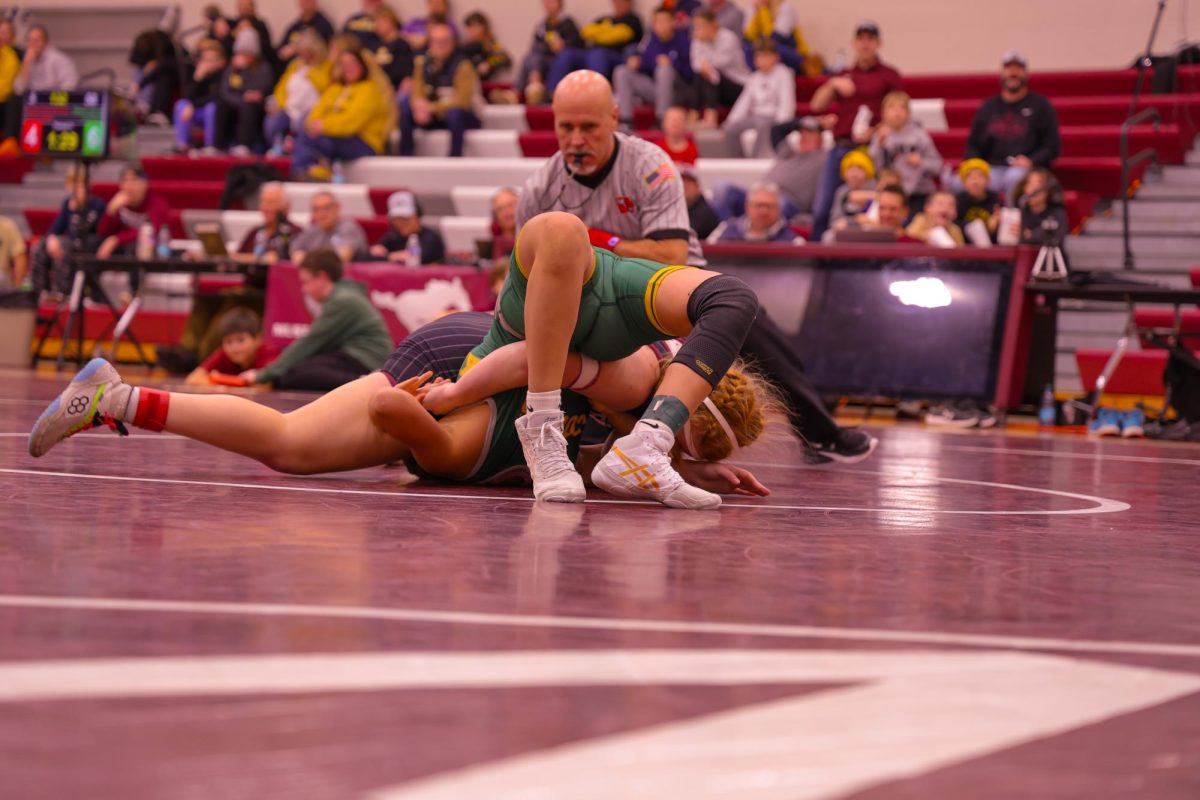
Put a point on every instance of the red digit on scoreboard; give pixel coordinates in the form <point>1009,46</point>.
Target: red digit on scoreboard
<point>31,137</point>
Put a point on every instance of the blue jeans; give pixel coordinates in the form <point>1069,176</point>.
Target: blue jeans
<point>205,116</point>
<point>458,121</point>
<point>276,128</point>
<point>827,184</point>
<point>569,59</point>
<point>729,201</point>
<point>310,150</point>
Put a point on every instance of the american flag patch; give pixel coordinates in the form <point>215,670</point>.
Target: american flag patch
<point>661,174</point>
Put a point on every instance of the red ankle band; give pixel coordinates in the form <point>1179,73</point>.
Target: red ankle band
<point>151,411</point>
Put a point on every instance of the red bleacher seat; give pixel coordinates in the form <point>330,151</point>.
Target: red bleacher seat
<point>1090,141</point>
<point>178,194</point>
<point>178,168</point>
<point>1140,371</point>
<point>1164,319</point>
<point>12,170</point>
<point>1194,275</point>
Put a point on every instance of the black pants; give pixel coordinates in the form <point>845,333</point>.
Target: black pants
<point>715,95</point>
<point>164,79</point>
<point>323,372</point>
<point>767,345</point>
<point>244,122</point>
<point>10,117</point>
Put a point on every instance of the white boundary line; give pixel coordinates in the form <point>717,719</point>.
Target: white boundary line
<point>992,641</point>
<point>1102,505</point>
<point>1076,454</point>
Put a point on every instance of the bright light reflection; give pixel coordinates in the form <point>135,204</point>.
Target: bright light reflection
<point>923,292</point>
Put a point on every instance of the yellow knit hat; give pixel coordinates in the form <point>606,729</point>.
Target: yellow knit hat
<point>858,158</point>
<point>964,169</point>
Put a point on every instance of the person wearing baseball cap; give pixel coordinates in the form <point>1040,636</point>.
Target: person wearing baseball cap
<point>1015,130</point>
<point>404,220</point>
<point>864,84</point>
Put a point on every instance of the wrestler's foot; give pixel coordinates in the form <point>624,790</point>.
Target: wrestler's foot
<point>95,396</point>
<point>639,465</point>
<point>554,477</point>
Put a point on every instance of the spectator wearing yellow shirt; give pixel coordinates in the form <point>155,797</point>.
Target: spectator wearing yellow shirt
<point>606,41</point>
<point>299,89</point>
<point>10,67</point>
<point>776,20</point>
<point>348,122</point>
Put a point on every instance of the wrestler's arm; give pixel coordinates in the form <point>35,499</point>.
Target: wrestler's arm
<point>625,383</point>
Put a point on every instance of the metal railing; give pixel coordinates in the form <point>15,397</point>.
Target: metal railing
<point>1127,165</point>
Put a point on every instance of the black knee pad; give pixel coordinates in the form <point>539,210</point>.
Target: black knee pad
<point>721,309</point>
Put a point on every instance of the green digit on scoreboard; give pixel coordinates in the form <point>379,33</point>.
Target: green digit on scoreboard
<point>93,138</point>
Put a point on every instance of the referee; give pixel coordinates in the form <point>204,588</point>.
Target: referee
<point>628,193</point>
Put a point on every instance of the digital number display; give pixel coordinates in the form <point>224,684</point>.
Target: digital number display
<point>65,124</point>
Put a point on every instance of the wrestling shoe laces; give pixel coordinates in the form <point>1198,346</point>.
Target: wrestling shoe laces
<point>639,466</point>
<point>554,477</point>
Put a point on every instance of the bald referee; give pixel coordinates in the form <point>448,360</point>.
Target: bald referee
<point>628,193</point>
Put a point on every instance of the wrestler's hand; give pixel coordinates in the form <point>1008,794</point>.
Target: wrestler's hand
<point>722,478</point>
<point>413,385</point>
<point>440,398</point>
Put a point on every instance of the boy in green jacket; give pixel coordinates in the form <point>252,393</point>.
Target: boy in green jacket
<point>347,340</point>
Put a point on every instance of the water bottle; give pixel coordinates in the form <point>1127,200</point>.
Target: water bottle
<point>260,244</point>
<point>145,242</point>
<point>337,175</point>
<point>1047,413</point>
<point>163,249</point>
<point>413,248</point>
<point>862,124</point>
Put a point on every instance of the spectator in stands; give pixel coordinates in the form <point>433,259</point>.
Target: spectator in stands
<point>348,42</point>
<point>445,94</point>
<point>242,96</point>
<point>605,41</point>
<point>504,222</point>
<point>865,83</point>
<point>74,230</point>
<point>198,106</point>
<point>272,240</point>
<point>397,245</point>
<point>219,28</point>
<point>892,209</point>
<point>347,339</point>
<point>248,18</point>
<point>728,16</point>
<point>701,217</point>
<point>311,19</point>
<point>976,202</point>
<point>347,123</point>
<point>362,25</point>
<point>416,30</point>
<point>394,55</point>
<point>44,67</point>
<point>856,193</point>
<point>298,90</point>
<point>935,225</point>
<point>675,139</point>
<point>1043,212</point>
<point>775,21</point>
<point>10,108</point>
<point>329,229</point>
<point>798,162</point>
<point>242,348</point>
<point>1014,131</point>
<point>762,222</point>
<point>554,34</point>
<point>14,261</point>
<point>483,48</point>
<point>156,72</point>
<point>133,206</point>
<point>903,143</point>
<point>767,99</point>
<point>651,73</point>
<point>719,65</point>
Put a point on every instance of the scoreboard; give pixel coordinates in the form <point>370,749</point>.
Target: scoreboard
<point>66,124</point>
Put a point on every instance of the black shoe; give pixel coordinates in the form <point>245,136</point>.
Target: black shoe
<point>959,414</point>
<point>1175,431</point>
<point>849,446</point>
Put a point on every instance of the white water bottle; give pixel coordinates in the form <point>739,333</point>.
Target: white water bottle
<point>862,124</point>
<point>162,248</point>
<point>413,248</point>
<point>145,242</point>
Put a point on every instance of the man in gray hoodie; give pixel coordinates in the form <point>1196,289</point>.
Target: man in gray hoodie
<point>903,145</point>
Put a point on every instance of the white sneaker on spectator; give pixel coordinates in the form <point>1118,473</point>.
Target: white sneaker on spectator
<point>554,477</point>
<point>639,466</point>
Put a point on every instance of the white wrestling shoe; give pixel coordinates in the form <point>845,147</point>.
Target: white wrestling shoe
<point>95,396</point>
<point>554,477</point>
<point>639,466</point>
